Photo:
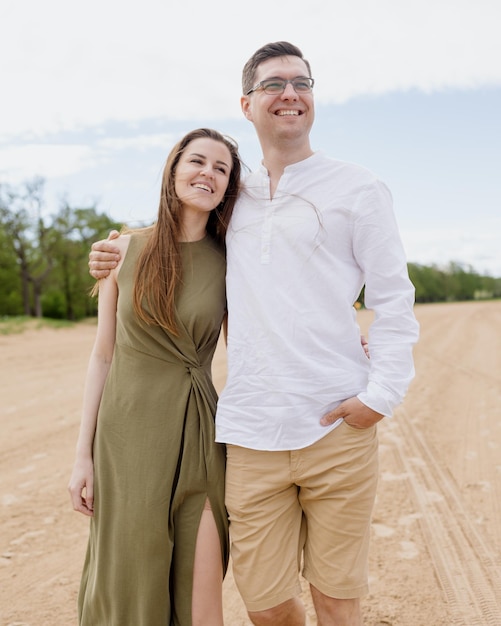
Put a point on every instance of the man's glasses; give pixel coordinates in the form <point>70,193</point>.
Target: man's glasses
<point>276,86</point>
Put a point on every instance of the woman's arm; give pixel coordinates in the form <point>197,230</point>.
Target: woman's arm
<point>225,329</point>
<point>81,486</point>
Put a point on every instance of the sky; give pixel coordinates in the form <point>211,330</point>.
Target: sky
<point>95,94</point>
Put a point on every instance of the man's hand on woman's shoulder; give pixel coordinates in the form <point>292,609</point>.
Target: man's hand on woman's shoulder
<point>104,256</point>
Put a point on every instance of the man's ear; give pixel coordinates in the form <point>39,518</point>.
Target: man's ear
<point>246,108</point>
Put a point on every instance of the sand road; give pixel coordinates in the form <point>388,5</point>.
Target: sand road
<point>436,532</point>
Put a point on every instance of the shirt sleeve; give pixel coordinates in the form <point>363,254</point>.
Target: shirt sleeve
<point>390,294</point>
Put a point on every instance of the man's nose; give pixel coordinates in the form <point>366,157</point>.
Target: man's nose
<point>289,92</point>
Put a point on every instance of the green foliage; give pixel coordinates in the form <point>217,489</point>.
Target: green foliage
<point>10,285</point>
<point>452,283</point>
<point>44,271</point>
<point>43,258</point>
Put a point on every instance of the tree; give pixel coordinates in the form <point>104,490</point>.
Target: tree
<point>46,255</point>
<point>24,227</point>
<point>74,230</point>
<point>10,283</point>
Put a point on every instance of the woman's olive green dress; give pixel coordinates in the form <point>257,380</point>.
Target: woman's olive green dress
<point>155,458</point>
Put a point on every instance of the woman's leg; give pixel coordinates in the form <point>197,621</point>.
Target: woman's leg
<point>207,600</point>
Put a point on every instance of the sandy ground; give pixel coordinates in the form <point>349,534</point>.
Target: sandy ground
<point>436,532</point>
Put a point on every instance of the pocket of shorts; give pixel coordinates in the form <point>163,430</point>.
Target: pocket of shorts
<point>359,430</point>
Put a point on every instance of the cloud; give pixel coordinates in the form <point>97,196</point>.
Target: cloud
<point>69,66</point>
<point>53,159</point>
<point>475,245</point>
<point>45,160</point>
<point>137,142</point>
<point>93,95</point>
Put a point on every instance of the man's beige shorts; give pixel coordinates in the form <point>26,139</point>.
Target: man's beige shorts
<point>311,505</point>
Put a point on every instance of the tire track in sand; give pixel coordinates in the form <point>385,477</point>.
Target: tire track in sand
<point>464,563</point>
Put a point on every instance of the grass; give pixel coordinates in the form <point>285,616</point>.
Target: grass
<point>18,324</point>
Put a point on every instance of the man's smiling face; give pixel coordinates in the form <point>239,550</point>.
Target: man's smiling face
<point>288,115</point>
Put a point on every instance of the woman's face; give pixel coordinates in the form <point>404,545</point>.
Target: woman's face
<point>202,175</point>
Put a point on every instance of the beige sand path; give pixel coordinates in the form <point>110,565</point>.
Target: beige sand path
<point>436,548</point>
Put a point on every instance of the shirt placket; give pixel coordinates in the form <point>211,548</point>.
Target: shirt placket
<point>266,232</point>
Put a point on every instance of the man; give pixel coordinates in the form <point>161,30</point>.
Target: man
<point>301,403</point>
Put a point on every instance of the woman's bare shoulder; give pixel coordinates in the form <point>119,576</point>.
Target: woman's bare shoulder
<point>122,243</point>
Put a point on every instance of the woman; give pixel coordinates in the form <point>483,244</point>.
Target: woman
<point>147,469</point>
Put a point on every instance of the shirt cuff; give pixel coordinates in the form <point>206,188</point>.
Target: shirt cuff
<point>379,399</point>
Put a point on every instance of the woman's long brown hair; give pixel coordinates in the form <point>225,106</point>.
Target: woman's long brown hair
<point>158,271</point>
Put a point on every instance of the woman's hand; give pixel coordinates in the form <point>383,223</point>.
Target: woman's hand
<point>365,346</point>
<point>81,486</point>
